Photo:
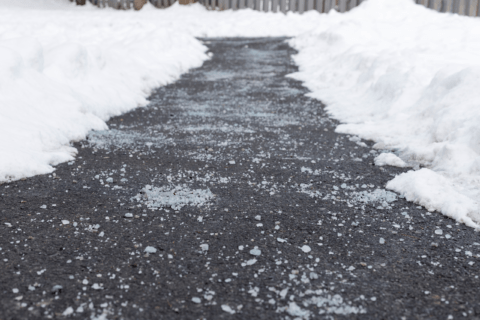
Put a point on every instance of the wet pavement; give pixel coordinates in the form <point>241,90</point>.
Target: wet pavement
<point>229,196</point>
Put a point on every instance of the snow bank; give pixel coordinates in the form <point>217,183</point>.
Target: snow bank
<point>406,77</point>
<point>65,70</point>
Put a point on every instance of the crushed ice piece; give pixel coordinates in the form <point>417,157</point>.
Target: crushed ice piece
<point>251,261</point>
<point>150,249</point>
<point>56,288</point>
<point>258,217</point>
<point>382,241</point>
<point>255,251</point>
<point>128,215</point>
<point>68,311</point>
<point>43,207</point>
<point>204,247</point>
<point>65,221</point>
<point>227,309</point>
<point>175,197</point>
<point>196,300</point>
<point>306,249</point>
<point>97,286</point>
<point>15,290</point>
<point>281,240</point>
<point>439,231</point>
<point>351,268</point>
<point>200,219</point>
<point>231,162</point>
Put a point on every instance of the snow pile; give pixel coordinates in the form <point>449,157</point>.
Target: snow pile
<point>175,197</point>
<point>64,72</point>
<point>389,159</point>
<point>406,77</point>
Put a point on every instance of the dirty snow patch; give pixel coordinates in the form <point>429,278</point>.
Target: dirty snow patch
<point>175,197</point>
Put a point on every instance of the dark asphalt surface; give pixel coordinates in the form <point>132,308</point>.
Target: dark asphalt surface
<point>229,197</point>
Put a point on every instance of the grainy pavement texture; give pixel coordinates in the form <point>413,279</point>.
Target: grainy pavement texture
<point>229,196</point>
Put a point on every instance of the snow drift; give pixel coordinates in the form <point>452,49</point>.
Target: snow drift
<point>406,77</point>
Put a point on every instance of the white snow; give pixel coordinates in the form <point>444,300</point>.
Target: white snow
<point>175,197</point>
<point>150,249</point>
<point>255,251</point>
<point>389,159</point>
<point>306,248</point>
<point>400,74</point>
<point>227,309</point>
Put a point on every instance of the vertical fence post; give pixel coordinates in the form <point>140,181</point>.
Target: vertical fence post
<point>292,5</point>
<point>241,4</point>
<point>257,4</point>
<point>473,8</point>
<point>328,5</point>
<point>265,5</point>
<point>301,6</point>
<point>319,5</point>
<point>342,5</point>
<point>250,4</point>
<point>274,5</point>
<point>283,6</point>
<point>310,4</point>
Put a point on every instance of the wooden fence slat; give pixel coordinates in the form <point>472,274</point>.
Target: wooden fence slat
<point>250,4</point>
<point>351,4</point>
<point>266,4</point>
<point>292,5</point>
<point>241,4</point>
<point>283,6</point>
<point>274,5</point>
<point>447,5</point>
<point>257,5</point>
<point>319,5</point>
<point>473,8</point>
<point>342,5</point>
<point>301,6</point>
<point>329,5</point>
<point>310,5</point>
<point>456,6</point>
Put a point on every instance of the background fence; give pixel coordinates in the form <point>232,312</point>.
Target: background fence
<point>462,7</point>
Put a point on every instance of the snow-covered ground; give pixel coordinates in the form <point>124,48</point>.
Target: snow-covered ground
<point>406,77</point>
<point>391,71</point>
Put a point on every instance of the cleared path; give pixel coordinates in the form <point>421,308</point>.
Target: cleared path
<point>229,197</point>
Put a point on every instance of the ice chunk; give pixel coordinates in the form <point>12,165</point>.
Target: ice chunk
<point>227,309</point>
<point>255,251</point>
<point>150,249</point>
<point>196,300</point>
<point>204,247</point>
<point>306,249</point>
